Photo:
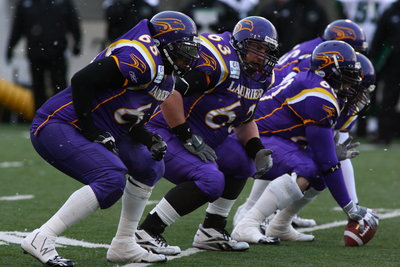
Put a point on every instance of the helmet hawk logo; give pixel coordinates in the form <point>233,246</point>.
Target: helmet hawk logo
<point>328,58</point>
<point>244,25</point>
<point>208,61</point>
<point>169,25</point>
<point>344,33</point>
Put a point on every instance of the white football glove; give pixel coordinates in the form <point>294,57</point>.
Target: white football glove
<point>346,150</point>
<point>361,214</point>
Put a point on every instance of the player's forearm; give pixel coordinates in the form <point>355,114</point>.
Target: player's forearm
<point>172,109</point>
<point>246,132</point>
<point>322,144</point>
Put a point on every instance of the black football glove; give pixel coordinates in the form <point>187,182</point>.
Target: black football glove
<point>158,147</point>
<point>102,137</point>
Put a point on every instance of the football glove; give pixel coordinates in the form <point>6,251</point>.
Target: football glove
<point>346,150</point>
<point>107,140</point>
<point>198,147</point>
<point>263,162</point>
<point>158,147</point>
<point>361,214</point>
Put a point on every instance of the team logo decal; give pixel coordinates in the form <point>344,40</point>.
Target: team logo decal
<point>244,25</point>
<point>329,58</point>
<point>137,63</point>
<point>168,25</point>
<point>329,110</point>
<point>344,33</point>
<point>208,61</point>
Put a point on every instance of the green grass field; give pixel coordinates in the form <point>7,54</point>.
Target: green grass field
<point>23,172</point>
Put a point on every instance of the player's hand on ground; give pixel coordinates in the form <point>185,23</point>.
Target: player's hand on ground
<point>346,150</point>
<point>263,162</point>
<point>158,148</point>
<point>361,214</point>
<point>198,147</point>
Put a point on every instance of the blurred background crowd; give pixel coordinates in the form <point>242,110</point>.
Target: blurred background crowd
<point>46,41</point>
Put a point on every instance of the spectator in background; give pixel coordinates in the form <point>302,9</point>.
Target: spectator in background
<point>122,15</point>
<point>385,52</point>
<point>212,16</point>
<point>366,14</point>
<point>45,24</point>
<point>295,20</point>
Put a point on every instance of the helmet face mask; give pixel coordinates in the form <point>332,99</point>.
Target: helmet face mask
<point>175,34</point>
<point>255,40</point>
<point>182,55</point>
<point>362,98</point>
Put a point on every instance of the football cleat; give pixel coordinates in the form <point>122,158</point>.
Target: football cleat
<point>302,222</point>
<point>127,250</point>
<point>155,244</point>
<point>287,233</point>
<point>43,248</point>
<point>248,231</point>
<point>217,239</point>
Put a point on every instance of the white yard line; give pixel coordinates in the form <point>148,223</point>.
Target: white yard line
<point>16,197</point>
<point>11,164</point>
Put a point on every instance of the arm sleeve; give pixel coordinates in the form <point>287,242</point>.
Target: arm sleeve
<point>321,142</point>
<point>100,75</point>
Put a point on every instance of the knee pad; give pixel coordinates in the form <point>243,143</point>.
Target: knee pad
<point>285,190</point>
<point>109,188</point>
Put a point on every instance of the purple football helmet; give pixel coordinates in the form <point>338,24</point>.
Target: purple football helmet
<point>248,36</point>
<point>347,31</point>
<point>176,36</point>
<point>336,62</point>
<point>365,88</point>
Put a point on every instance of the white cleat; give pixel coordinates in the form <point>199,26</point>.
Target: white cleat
<point>302,222</point>
<point>127,250</point>
<point>249,232</point>
<point>155,244</point>
<point>287,233</point>
<point>217,239</point>
<point>240,213</point>
<point>43,248</point>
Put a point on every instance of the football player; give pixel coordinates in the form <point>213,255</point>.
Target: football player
<point>94,132</point>
<point>291,63</point>
<point>222,93</point>
<point>296,120</point>
<point>280,226</point>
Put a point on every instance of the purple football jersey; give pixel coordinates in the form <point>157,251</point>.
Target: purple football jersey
<point>230,98</point>
<point>145,88</point>
<point>305,99</point>
<point>295,61</point>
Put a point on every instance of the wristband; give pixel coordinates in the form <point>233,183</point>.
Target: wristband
<point>182,131</point>
<point>253,146</point>
<point>332,169</point>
